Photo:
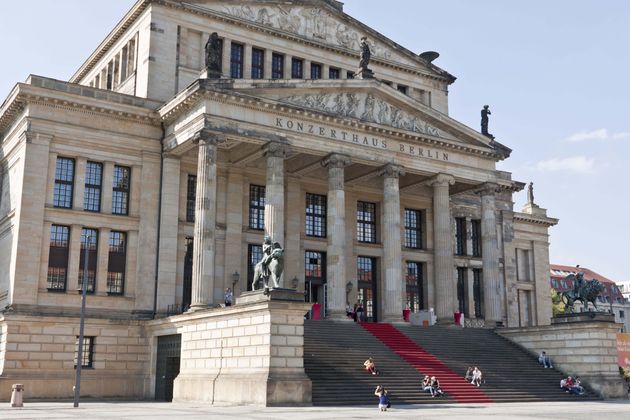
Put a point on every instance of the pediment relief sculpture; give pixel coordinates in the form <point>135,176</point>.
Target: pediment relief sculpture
<point>308,22</point>
<point>364,107</point>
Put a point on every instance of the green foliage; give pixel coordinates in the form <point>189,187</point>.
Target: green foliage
<point>557,305</point>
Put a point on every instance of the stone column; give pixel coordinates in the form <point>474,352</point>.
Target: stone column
<point>336,234</point>
<point>492,296</point>
<point>392,251</point>
<point>268,63</point>
<point>445,290</point>
<point>79,184</point>
<point>274,192</point>
<point>204,246</point>
<point>102,266</point>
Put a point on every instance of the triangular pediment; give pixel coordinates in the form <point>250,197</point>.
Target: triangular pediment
<point>318,21</point>
<point>373,103</point>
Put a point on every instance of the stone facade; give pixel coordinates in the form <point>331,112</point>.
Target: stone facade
<point>376,194</point>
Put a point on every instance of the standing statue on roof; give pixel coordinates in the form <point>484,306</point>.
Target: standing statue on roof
<point>530,194</point>
<point>213,56</point>
<point>485,112</point>
<point>366,54</point>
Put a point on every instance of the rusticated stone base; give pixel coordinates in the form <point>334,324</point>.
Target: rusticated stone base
<point>249,353</point>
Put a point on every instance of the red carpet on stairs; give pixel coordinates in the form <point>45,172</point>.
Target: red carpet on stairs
<point>452,383</point>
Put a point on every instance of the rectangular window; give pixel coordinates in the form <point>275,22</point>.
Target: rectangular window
<point>256,207</point>
<point>462,286</point>
<point>460,236</point>
<point>110,75</point>
<point>191,198</point>
<point>316,71</point>
<point>277,66</point>
<point>366,222</point>
<point>297,68</point>
<point>236,61</point>
<point>316,215</point>
<point>476,238</point>
<point>88,350</point>
<point>413,229</point>
<point>116,71</point>
<point>58,258</point>
<point>254,255</point>
<point>333,73</point>
<point>124,56</point>
<point>478,292</point>
<point>117,263</point>
<point>120,195</point>
<point>402,89</point>
<point>64,183</point>
<point>314,267</point>
<point>367,287</point>
<point>415,286</point>
<point>89,240</point>
<point>350,75</point>
<point>258,63</point>
<point>93,182</point>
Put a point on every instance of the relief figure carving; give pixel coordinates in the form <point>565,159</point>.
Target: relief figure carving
<point>368,113</point>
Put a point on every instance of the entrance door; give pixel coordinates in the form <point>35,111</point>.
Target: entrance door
<point>367,280</point>
<point>415,286</point>
<point>315,279</point>
<point>167,365</point>
<point>188,262</point>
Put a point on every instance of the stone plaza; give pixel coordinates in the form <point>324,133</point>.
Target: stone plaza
<point>155,172</point>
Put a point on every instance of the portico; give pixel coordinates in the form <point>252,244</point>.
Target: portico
<point>295,149</point>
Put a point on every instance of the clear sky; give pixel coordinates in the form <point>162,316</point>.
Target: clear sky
<point>555,74</point>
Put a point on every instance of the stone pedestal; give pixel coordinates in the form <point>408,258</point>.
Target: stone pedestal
<point>364,74</point>
<point>582,344</point>
<point>249,353</point>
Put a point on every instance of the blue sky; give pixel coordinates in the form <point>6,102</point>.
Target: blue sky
<point>555,74</point>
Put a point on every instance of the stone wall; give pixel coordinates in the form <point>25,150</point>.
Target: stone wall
<point>587,349</point>
<point>250,353</point>
<point>39,352</point>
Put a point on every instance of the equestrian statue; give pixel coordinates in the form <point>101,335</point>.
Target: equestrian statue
<point>583,290</point>
<point>270,266</point>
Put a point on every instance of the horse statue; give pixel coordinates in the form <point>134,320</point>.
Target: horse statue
<point>271,265</point>
<point>583,290</point>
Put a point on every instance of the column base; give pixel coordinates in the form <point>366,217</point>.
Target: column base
<point>338,316</point>
<point>197,308</point>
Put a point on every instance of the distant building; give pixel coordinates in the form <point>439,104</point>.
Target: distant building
<point>612,298</point>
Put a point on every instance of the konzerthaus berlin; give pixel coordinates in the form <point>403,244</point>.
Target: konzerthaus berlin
<point>162,182</point>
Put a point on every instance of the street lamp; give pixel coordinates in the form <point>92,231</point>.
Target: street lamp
<point>77,382</point>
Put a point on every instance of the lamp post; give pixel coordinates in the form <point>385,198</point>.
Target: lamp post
<point>77,382</point>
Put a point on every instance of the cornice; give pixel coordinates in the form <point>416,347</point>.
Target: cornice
<point>201,90</point>
<point>537,220</point>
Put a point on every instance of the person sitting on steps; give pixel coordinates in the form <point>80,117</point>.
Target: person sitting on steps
<point>436,391</point>
<point>476,376</point>
<point>370,366</point>
<point>469,374</point>
<point>545,360</point>
<point>426,384</point>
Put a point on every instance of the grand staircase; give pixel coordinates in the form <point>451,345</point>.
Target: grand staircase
<point>334,354</point>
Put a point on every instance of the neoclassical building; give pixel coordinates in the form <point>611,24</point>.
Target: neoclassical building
<point>162,182</point>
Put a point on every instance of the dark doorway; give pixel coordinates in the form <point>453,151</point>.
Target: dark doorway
<point>367,282</point>
<point>254,255</point>
<point>188,265</point>
<point>415,286</point>
<point>315,278</point>
<point>167,365</point>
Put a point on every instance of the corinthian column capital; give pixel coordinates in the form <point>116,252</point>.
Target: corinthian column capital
<point>273,149</point>
<point>336,160</point>
<point>392,171</point>
<point>441,180</point>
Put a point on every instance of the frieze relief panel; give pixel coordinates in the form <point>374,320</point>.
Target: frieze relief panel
<point>311,23</point>
<point>365,107</point>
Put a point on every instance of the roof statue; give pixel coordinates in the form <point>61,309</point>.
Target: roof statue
<point>530,194</point>
<point>366,54</point>
<point>485,112</point>
<point>213,56</point>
